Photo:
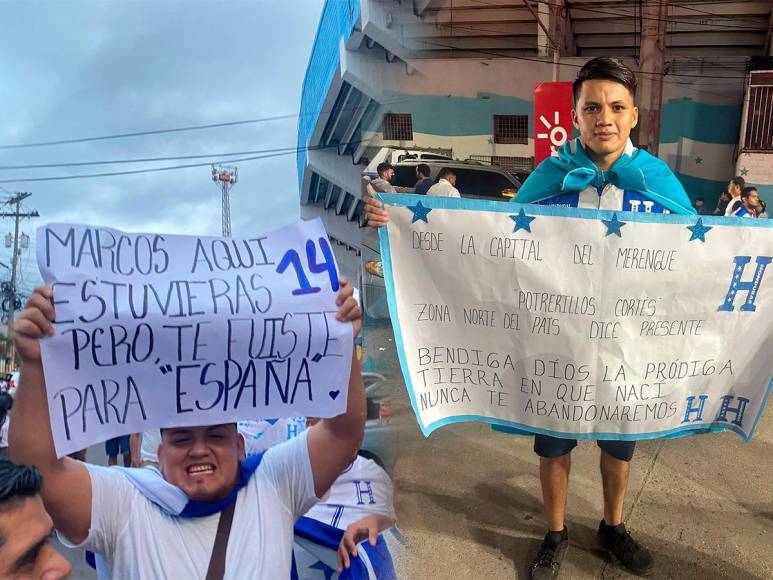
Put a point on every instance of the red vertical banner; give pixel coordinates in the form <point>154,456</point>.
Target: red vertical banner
<point>552,118</point>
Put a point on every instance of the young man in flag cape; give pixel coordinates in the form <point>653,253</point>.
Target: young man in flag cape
<point>601,169</point>
<point>149,523</point>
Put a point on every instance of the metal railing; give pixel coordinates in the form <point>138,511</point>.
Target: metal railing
<point>505,162</point>
<point>759,117</point>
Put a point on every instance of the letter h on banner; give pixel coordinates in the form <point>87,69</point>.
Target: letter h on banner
<point>362,491</point>
<point>738,411</point>
<point>698,409</point>
<point>751,287</point>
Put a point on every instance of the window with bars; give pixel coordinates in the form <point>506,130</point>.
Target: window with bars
<point>759,117</point>
<point>398,127</point>
<point>511,129</point>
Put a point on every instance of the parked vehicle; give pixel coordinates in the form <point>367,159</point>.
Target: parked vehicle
<point>395,156</point>
<point>473,180</point>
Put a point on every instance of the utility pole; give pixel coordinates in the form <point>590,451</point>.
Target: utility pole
<point>17,215</point>
<point>227,177</point>
<point>651,68</point>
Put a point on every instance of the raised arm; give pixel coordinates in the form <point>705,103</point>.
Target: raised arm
<point>66,482</point>
<point>375,213</point>
<point>333,443</point>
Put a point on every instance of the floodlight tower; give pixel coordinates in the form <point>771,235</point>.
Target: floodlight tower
<point>226,177</point>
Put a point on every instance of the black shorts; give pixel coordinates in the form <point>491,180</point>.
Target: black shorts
<point>117,445</point>
<point>551,447</point>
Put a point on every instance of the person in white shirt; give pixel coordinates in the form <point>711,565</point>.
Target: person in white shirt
<point>446,184</point>
<point>142,535</point>
<point>264,434</point>
<point>734,188</point>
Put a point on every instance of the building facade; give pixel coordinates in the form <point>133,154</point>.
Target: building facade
<point>458,77</point>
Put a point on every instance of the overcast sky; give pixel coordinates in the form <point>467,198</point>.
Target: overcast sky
<point>90,68</point>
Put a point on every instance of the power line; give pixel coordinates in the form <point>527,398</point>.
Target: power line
<point>180,129</point>
<point>543,61</point>
<point>145,159</point>
<point>632,14</point>
<point>172,167</point>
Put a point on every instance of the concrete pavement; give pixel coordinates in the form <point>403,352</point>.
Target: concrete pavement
<point>469,501</point>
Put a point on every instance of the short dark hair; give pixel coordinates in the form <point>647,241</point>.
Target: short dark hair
<point>18,481</point>
<point>445,173</point>
<point>738,181</point>
<point>605,69</point>
<point>423,169</point>
<point>747,191</point>
<point>383,168</point>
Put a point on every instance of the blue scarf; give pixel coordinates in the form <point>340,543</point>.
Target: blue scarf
<point>174,502</point>
<point>572,170</point>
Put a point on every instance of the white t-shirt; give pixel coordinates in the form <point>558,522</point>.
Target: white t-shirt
<point>362,490</point>
<point>4,431</point>
<point>443,188</point>
<point>732,206</point>
<point>149,447</point>
<point>264,434</point>
<point>138,540</point>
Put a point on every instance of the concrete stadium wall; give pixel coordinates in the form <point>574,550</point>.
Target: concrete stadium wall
<point>757,170</point>
<point>452,103</point>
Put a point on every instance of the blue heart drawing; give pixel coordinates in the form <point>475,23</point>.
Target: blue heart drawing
<point>334,394</point>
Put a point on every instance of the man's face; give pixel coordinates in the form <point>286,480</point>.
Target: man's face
<point>25,553</point>
<point>733,189</point>
<point>389,174</point>
<point>202,461</point>
<point>604,114</point>
<point>452,179</point>
<point>754,199</point>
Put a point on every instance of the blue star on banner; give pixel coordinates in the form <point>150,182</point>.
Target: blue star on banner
<point>744,172</point>
<point>522,221</point>
<point>699,231</point>
<point>613,226</point>
<point>324,568</point>
<point>419,212</point>
<point>699,160</point>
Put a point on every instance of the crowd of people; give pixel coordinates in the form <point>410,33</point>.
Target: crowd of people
<point>203,505</point>
<point>738,200</point>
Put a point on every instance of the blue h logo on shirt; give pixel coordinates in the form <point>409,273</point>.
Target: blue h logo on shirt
<point>751,288</point>
<point>368,489</point>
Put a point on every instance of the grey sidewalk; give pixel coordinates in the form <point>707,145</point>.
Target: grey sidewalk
<point>469,502</point>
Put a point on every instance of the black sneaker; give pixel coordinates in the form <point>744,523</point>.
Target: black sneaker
<point>547,564</point>
<point>624,549</point>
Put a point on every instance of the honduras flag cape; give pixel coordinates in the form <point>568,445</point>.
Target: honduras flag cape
<point>314,555</point>
<point>174,502</point>
<point>572,170</point>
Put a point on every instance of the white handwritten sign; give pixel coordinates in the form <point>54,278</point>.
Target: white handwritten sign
<point>580,323</point>
<point>162,330</point>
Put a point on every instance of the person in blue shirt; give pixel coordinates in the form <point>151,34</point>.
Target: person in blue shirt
<point>601,169</point>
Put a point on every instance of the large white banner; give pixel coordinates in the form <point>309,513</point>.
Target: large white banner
<point>580,323</point>
<point>163,330</point>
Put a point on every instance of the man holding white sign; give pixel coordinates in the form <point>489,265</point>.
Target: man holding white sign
<point>178,521</point>
<point>601,170</point>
